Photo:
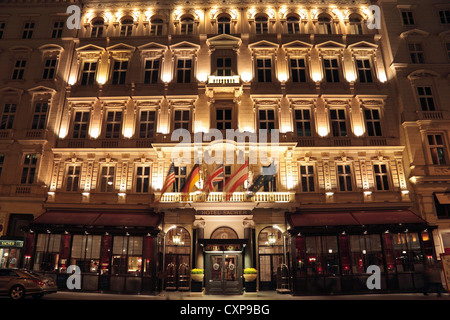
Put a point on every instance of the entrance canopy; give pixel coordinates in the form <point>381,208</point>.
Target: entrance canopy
<point>323,222</point>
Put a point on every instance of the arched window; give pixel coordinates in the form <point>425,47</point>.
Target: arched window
<point>156,27</point>
<point>355,25</point>
<point>97,28</point>
<point>187,25</point>
<point>224,233</point>
<point>262,25</point>
<point>270,245</point>
<point>293,25</point>
<point>126,27</point>
<point>224,25</point>
<point>177,254</point>
<point>324,25</point>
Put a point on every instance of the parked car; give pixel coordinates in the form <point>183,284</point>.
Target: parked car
<point>17,283</point>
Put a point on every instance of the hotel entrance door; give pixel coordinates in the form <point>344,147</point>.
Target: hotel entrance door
<point>223,272</point>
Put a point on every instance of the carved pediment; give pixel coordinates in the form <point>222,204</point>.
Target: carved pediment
<point>263,45</point>
<point>330,45</point>
<point>224,41</point>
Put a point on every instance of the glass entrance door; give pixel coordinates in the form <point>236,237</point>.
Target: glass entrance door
<point>223,273</point>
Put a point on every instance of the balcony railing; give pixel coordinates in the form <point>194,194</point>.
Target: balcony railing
<point>223,80</point>
<point>170,197</point>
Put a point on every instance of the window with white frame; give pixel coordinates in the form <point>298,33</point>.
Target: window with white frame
<point>113,125</point>
<point>324,25</point>
<point>49,68</point>
<point>29,168</point>
<point>119,73</point>
<point>184,70</point>
<point>97,27</point>
<point>224,25</point>
<point>407,18</point>
<point>40,115</point>
<point>8,114</point>
<point>364,70</point>
<point>338,122</point>
<point>416,53</point>
<point>355,23</point>
<point>58,27</point>
<point>381,176</point>
<point>151,71</point>
<point>187,25</point>
<point>298,69</point>
<point>373,122</point>
<point>302,119</point>
<point>307,178</point>
<point>126,27</point>
<point>293,25</point>
<point>344,174</point>
<point>88,73</point>
<point>426,98</point>
<point>28,28</point>
<point>143,179</point>
<point>444,16</point>
<point>264,69</point>
<point>266,119</point>
<point>147,124</point>
<point>156,27</point>
<point>19,69</point>
<point>261,24</point>
<point>182,119</point>
<point>80,124</point>
<point>73,177</point>
<point>224,118</point>
<point>107,176</point>
<point>436,145</point>
<point>331,67</point>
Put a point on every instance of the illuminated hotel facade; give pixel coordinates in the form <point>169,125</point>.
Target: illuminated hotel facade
<point>86,147</point>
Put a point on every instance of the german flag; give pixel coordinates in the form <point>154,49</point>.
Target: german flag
<point>193,178</point>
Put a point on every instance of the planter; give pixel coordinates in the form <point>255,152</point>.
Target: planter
<point>250,276</point>
<point>197,277</point>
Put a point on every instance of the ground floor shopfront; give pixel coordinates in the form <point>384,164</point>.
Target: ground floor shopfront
<point>300,252</point>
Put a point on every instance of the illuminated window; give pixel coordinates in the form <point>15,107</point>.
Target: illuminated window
<point>180,178</point>
<point>324,25</point>
<point>437,149</point>
<point>29,169</point>
<point>355,25</point>
<point>86,252</point>
<point>73,178</point>
<point>107,176</point>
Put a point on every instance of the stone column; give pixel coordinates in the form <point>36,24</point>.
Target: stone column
<point>199,225</point>
<point>249,254</point>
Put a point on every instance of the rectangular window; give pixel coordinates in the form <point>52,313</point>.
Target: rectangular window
<point>437,149</point>
<point>447,46</point>
<point>426,98</point>
<point>7,116</point>
<point>28,28</point>
<point>97,29</point>
<point>184,67</point>
<point>126,28</point>
<point>47,252</point>
<point>88,73</point>
<point>127,255</point>
<point>267,119</point>
<point>338,123</point>
<point>29,169</point>
<point>58,27</point>
<point>416,53</point>
<point>113,124</point>
<point>264,69</point>
<point>224,67</point>
<point>408,18</point>
<point>142,179</point>
<point>187,26</point>
<point>444,16</point>
<point>180,178</point>
<point>119,72</point>
<point>19,69</point>
<point>73,178</point>
<point>364,70</point>
<point>147,124</point>
<point>381,176</point>
<point>156,27</point>
<point>86,252</point>
<point>270,185</point>
<point>331,68</point>
<point>107,175</point>
<point>49,69</point>
<point>373,124</point>
<point>182,119</point>
<point>307,178</point>
<point>2,29</point>
<point>344,174</point>
<point>224,118</point>
<point>40,115</point>
<point>298,70</point>
<point>261,26</point>
<point>302,118</point>
<point>151,71</point>
<point>80,124</point>
<point>2,162</point>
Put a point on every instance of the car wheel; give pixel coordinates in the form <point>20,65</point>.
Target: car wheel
<point>17,292</point>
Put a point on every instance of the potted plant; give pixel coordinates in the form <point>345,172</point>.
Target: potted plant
<point>250,274</point>
<point>197,275</point>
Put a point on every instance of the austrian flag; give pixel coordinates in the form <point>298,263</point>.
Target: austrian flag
<point>236,180</point>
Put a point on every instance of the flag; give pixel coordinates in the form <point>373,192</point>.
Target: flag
<point>170,179</point>
<point>215,177</point>
<point>193,178</point>
<point>236,180</point>
<point>267,174</point>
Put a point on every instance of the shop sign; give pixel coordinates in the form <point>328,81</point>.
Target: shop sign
<point>11,243</point>
<point>223,212</point>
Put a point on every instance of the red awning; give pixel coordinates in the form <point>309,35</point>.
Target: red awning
<point>387,217</point>
<point>316,219</point>
<point>124,219</point>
